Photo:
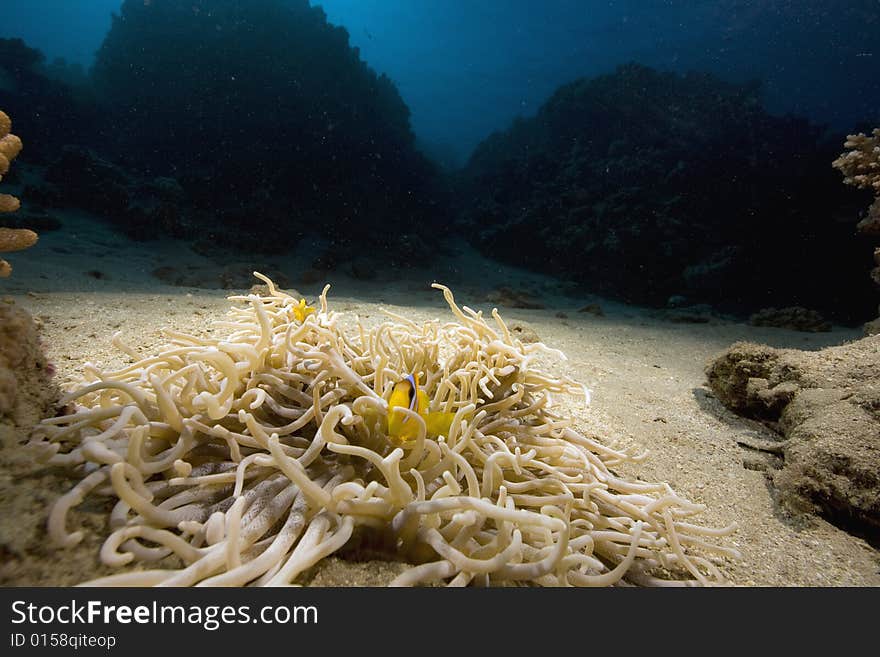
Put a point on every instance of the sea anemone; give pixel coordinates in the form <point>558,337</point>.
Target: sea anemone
<point>252,455</point>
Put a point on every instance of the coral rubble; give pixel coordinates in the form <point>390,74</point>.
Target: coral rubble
<point>794,318</point>
<point>340,162</point>
<point>26,84</point>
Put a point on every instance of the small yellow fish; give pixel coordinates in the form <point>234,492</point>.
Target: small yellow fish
<point>407,394</point>
<point>301,310</point>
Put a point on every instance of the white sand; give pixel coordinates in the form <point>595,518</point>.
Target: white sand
<point>646,375</point>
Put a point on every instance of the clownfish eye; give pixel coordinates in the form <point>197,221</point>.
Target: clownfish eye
<point>412,391</point>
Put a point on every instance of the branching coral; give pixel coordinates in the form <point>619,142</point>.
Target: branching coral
<point>11,239</point>
<point>860,166</point>
<point>254,455</point>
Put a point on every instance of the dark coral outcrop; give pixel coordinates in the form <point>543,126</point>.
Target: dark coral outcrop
<point>645,185</point>
<point>265,105</point>
<point>860,166</point>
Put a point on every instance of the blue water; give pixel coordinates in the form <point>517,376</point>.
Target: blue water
<point>467,67</point>
<point>663,153</point>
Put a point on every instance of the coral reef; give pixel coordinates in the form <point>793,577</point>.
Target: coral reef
<point>141,207</point>
<point>248,455</point>
<point>25,391</point>
<point>48,114</point>
<point>860,166</point>
<point>827,406</point>
<point>612,179</point>
<point>342,160</point>
<point>11,239</point>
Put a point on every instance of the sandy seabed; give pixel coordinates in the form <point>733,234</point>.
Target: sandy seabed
<point>648,387</point>
<point>646,374</point>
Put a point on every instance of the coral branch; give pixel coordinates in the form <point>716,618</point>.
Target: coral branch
<point>861,164</point>
<point>861,169</point>
<point>16,239</point>
<point>11,239</point>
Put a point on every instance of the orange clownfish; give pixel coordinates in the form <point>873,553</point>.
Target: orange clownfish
<point>302,310</point>
<point>407,394</point>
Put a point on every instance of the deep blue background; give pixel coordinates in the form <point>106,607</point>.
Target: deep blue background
<point>467,67</point>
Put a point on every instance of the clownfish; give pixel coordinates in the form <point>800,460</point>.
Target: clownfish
<point>407,394</point>
<point>301,310</point>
